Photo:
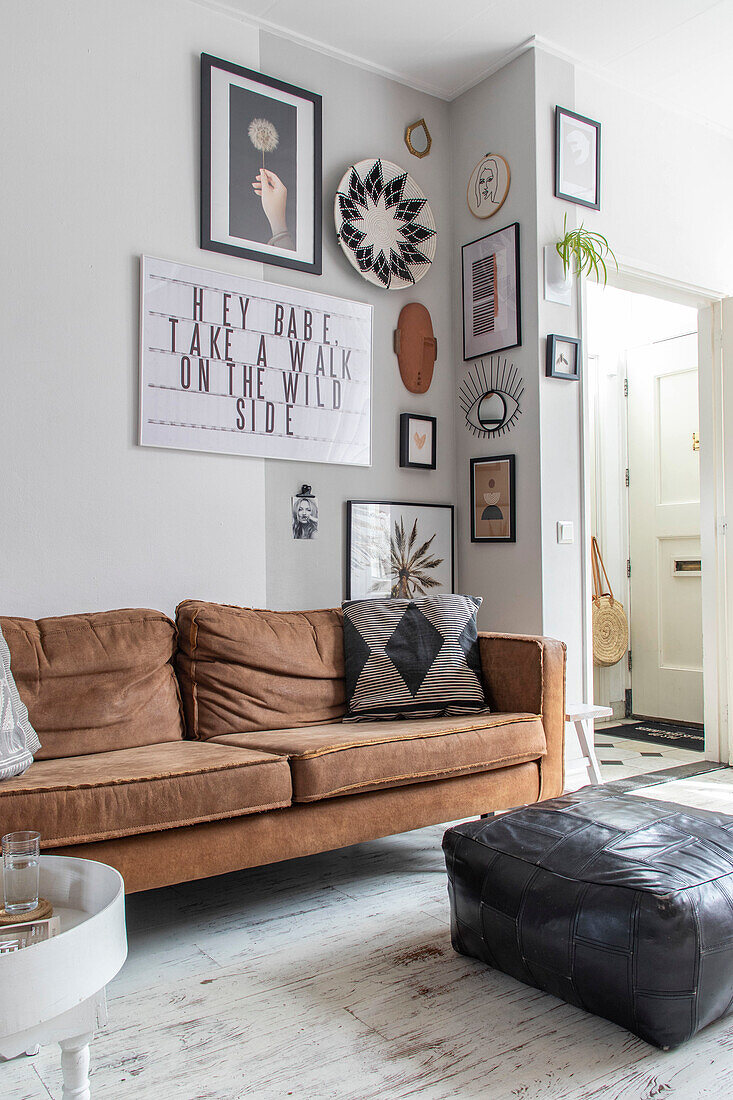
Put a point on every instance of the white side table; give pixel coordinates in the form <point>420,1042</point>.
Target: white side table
<point>55,991</point>
<point>582,715</point>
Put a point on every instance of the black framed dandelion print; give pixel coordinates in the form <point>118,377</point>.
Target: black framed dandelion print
<point>384,224</point>
<point>260,167</point>
<point>398,550</point>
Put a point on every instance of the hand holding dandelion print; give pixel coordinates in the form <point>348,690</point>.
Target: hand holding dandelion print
<point>270,188</point>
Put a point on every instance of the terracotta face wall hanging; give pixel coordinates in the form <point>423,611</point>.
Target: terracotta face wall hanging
<point>416,347</point>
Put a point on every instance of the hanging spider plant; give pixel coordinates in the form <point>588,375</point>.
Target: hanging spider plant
<point>584,252</point>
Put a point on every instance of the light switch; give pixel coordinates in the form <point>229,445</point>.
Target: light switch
<point>565,532</point>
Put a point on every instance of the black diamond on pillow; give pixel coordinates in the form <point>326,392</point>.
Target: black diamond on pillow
<point>412,657</point>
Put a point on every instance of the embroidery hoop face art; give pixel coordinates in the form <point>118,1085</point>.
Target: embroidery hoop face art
<point>488,186</point>
<point>490,397</point>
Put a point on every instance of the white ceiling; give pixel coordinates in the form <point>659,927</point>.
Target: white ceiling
<point>676,51</point>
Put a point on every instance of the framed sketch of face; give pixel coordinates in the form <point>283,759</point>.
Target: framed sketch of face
<point>488,186</point>
<point>577,158</point>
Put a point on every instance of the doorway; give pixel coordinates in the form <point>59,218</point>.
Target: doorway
<point>642,377</point>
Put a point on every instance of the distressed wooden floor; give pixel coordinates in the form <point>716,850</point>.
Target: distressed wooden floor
<point>333,977</point>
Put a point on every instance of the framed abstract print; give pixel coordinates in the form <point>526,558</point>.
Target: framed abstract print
<point>491,293</point>
<point>260,167</point>
<point>493,503</point>
<point>418,441</point>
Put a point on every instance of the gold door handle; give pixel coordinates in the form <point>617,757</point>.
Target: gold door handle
<point>695,441</point>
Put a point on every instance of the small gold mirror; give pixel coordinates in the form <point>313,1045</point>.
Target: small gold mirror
<point>418,139</point>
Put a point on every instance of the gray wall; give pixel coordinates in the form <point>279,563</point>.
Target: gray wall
<point>498,116</point>
<point>364,115</point>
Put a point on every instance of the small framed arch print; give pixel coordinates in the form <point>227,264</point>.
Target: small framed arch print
<point>493,504</point>
<point>488,186</point>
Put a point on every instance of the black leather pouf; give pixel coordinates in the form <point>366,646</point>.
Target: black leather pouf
<point>622,906</point>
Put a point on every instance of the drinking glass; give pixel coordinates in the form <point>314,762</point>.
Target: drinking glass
<point>21,861</point>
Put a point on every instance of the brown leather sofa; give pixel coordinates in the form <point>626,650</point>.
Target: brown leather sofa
<point>175,752</point>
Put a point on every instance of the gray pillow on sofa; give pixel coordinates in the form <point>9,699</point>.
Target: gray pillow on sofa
<point>412,658</point>
<point>18,739</point>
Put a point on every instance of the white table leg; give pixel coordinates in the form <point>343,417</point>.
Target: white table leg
<point>585,729</point>
<point>75,1067</point>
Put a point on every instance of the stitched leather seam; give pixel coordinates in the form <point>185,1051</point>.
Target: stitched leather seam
<point>205,769</point>
<point>490,765</point>
<point>395,739</point>
<point>193,635</point>
<point>136,830</point>
<point>89,626</point>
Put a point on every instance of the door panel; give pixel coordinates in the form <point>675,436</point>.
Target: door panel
<point>664,527</point>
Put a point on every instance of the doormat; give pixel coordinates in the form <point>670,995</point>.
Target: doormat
<point>659,733</point>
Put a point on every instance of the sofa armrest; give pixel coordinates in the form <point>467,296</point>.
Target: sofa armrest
<point>527,674</point>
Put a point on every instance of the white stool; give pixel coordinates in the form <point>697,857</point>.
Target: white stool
<point>582,715</point>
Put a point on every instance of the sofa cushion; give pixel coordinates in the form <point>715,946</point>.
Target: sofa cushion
<point>141,790</point>
<point>94,683</point>
<point>242,669</point>
<point>339,759</point>
<point>18,739</point>
<point>412,657</point>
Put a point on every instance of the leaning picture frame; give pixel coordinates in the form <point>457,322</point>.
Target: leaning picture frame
<point>398,549</point>
<point>492,319</point>
<point>260,167</point>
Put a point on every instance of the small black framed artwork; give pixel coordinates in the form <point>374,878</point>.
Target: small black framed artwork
<point>491,298</point>
<point>562,357</point>
<point>577,158</point>
<point>493,502</point>
<point>418,441</point>
<point>260,167</point>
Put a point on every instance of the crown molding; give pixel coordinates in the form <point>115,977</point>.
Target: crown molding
<point>259,22</point>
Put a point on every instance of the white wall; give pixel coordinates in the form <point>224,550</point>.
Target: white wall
<point>99,164</point>
<point>666,196</point>
<point>364,115</point>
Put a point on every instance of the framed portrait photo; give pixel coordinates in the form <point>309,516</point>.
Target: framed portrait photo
<point>260,167</point>
<point>398,550</point>
<point>577,158</point>
<point>493,504</point>
<point>491,305</point>
<point>562,357</point>
<point>418,441</point>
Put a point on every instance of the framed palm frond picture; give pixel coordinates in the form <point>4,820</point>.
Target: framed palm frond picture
<point>397,549</point>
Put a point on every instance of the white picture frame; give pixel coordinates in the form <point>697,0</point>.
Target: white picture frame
<point>234,365</point>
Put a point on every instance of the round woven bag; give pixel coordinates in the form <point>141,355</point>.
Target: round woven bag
<point>610,625</point>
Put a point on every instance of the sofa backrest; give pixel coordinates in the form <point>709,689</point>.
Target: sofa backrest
<point>241,669</point>
<point>97,682</point>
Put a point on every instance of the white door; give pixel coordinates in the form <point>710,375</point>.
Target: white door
<point>664,531</point>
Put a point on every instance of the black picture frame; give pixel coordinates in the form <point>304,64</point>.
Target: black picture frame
<point>406,429</point>
<point>476,533</point>
<point>444,512</point>
<point>215,190</point>
<point>553,350</point>
<point>562,113</point>
<point>480,337</point>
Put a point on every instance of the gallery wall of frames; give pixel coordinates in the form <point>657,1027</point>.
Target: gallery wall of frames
<point>242,366</point>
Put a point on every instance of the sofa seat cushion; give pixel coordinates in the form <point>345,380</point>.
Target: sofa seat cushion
<point>141,790</point>
<point>242,669</point>
<point>97,682</point>
<point>340,759</point>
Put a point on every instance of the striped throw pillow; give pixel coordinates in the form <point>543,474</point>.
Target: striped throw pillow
<point>412,657</point>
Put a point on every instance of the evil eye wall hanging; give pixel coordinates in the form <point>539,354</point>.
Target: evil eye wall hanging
<point>490,396</point>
